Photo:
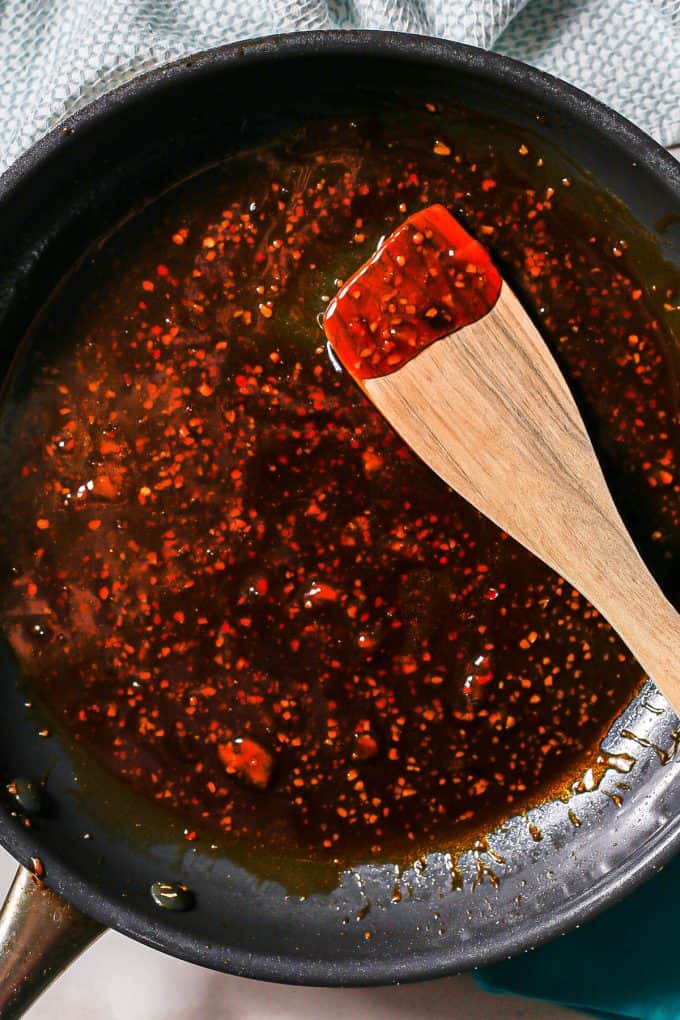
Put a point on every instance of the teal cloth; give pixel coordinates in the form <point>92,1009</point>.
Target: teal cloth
<point>623,963</point>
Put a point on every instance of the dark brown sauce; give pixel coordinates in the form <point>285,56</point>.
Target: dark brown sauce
<point>428,279</point>
<point>230,581</point>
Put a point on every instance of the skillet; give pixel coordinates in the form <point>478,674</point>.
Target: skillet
<point>73,187</point>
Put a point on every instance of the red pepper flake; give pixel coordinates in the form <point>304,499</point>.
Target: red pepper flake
<point>368,642</point>
<point>42,524</point>
<point>373,462</point>
<point>319,592</point>
<point>247,759</point>
<point>148,285</point>
<point>105,486</point>
<point>365,747</point>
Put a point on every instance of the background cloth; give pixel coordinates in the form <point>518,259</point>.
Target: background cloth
<point>58,55</point>
<point>622,964</point>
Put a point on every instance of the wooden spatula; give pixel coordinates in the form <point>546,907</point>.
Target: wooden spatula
<point>446,352</point>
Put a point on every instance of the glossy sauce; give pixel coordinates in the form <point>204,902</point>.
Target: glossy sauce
<point>228,580</point>
<point>428,279</point>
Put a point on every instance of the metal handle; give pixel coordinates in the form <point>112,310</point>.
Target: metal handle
<point>40,935</point>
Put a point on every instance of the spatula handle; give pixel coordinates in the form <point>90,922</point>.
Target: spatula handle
<point>621,587</point>
<point>490,412</point>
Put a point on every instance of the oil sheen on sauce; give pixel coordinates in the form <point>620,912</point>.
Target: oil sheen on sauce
<point>230,582</point>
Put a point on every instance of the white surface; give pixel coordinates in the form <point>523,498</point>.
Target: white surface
<point>117,979</point>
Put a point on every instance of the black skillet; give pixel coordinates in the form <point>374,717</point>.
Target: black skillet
<point>74,186</point>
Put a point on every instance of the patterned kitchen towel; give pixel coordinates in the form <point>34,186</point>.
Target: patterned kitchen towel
<point>57,56</point>
<point>625,963</point>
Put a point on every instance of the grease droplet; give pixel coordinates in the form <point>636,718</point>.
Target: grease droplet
<point>172,896</point>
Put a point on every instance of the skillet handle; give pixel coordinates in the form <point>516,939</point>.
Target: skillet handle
<point>40,934</point>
